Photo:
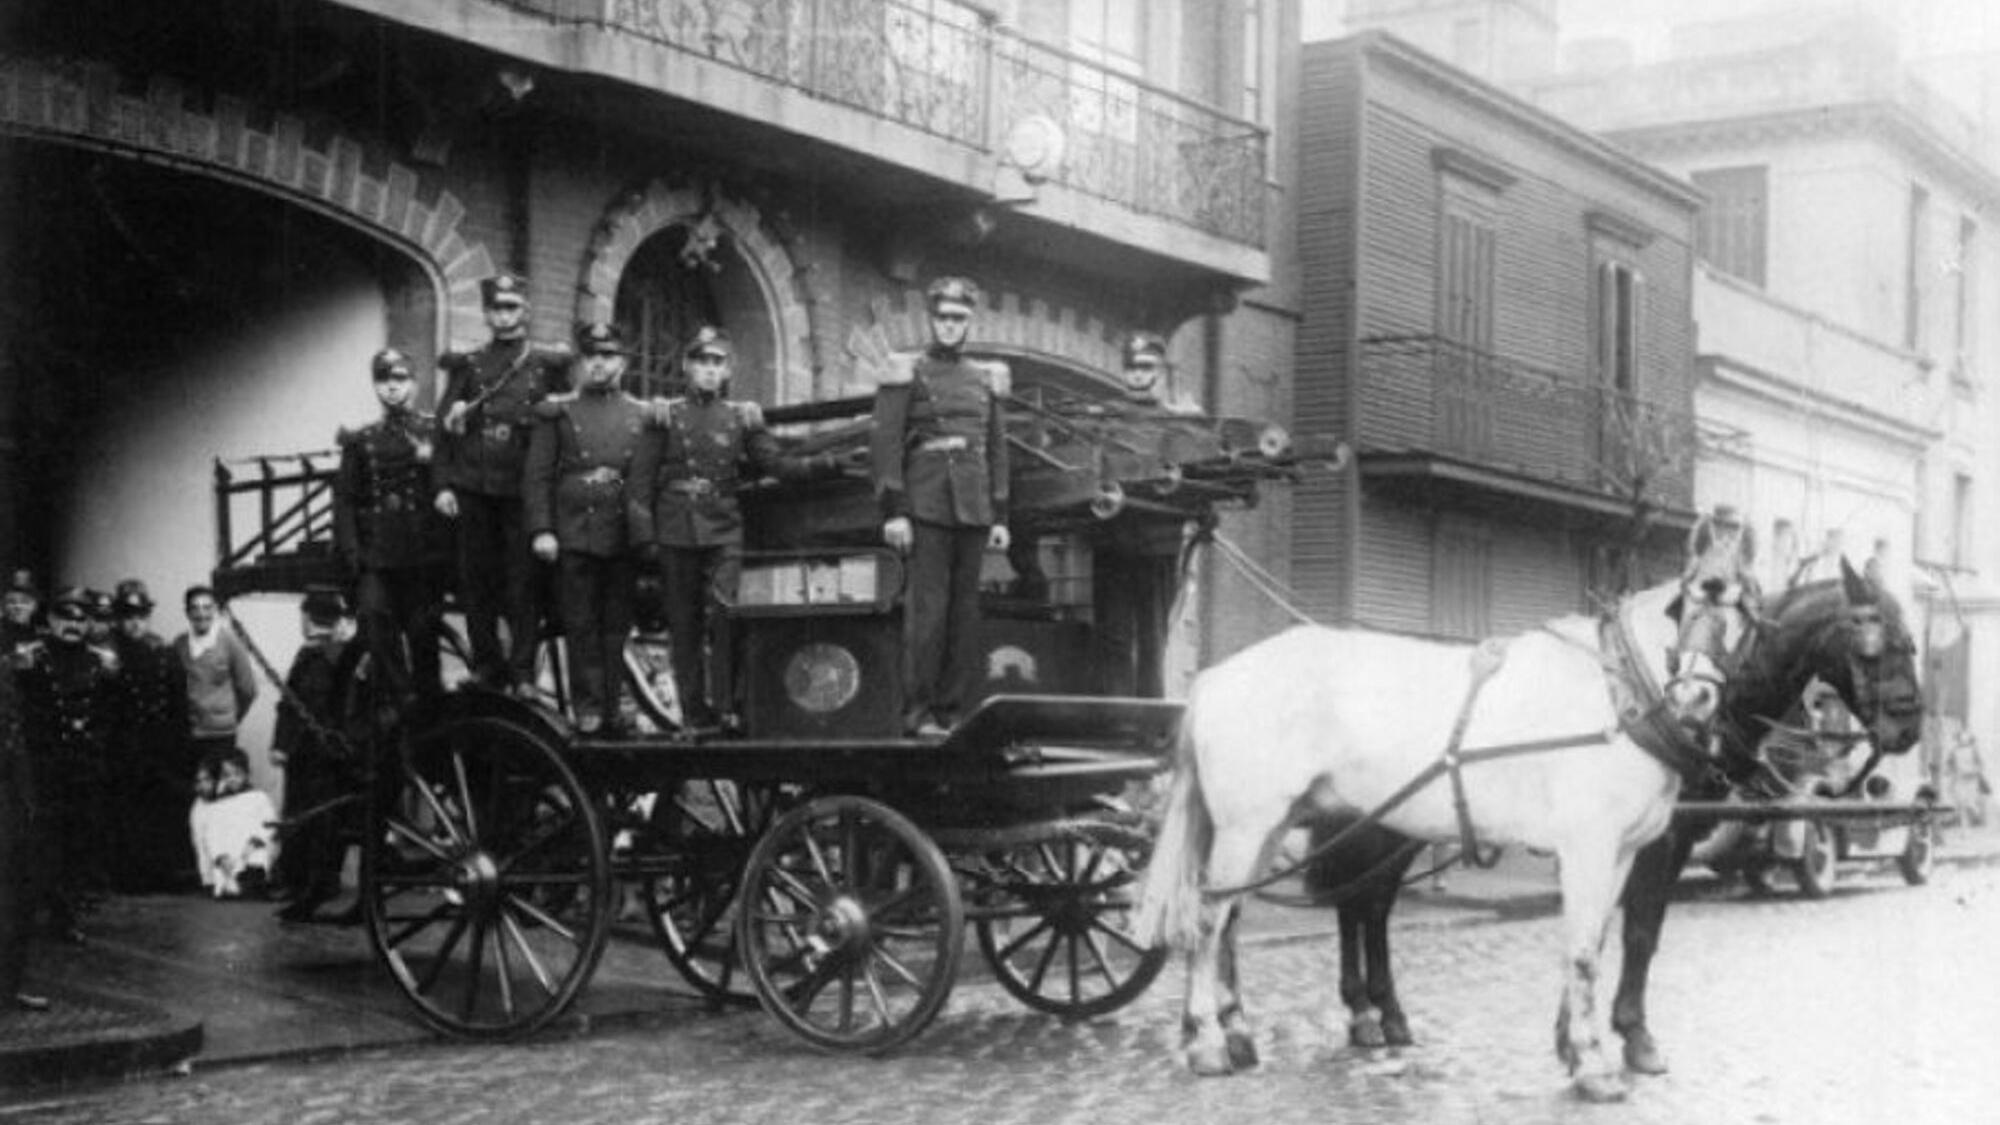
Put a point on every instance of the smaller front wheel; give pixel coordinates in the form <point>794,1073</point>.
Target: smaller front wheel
<point>1919,852</point>
<point>1818,862</point>
<point>849,925</point>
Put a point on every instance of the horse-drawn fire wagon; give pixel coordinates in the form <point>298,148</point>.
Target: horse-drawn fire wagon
<point>818,858</point>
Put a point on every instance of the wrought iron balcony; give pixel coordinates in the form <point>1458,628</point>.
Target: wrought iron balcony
<point>1430,395</point>
<point>944,68</point>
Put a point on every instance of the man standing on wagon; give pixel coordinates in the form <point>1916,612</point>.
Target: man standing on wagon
<point>485,416</point>
<point>686,521</point>
<point>579,463</point>
<point>940,462</point>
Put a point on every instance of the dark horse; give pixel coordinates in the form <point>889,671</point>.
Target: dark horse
<point>1846,632</point>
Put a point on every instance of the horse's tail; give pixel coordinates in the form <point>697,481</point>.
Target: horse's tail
<point>1170,891</point>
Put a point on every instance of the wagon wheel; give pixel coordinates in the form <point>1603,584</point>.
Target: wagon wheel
<point>851,925</point>
<point>1817,865</point>
<point>486,880</point>
<point>1919,852</point>
<point>706,828</point>
<point>1059,940</point>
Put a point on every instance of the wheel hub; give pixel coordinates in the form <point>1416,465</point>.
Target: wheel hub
<point>476,877</point>
<point>842,924</point>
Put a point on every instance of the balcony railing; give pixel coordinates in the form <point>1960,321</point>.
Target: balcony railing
<point>1429,394</point>
<point>942,67</point>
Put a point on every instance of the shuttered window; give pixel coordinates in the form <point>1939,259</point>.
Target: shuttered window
<point>1461,579</point>
<point>1465,277</point>
<point>1617,331</point>
<point>1731,232</point>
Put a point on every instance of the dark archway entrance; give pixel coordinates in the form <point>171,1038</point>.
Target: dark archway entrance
<point>685,276</point>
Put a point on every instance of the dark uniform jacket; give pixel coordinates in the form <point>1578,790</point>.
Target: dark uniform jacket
<point>485,451</point>
<point>152,689</point>
<point>70,692</point>
<point>940,442</point>
<point>578,466</point>
<point>382,498</point>
<point>317,679</point>
<point>696,454</point>
<point>18,643</point>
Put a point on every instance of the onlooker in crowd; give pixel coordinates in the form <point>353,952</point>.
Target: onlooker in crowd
<point>98,626</point>
<point>221,684</point>
<point>574,495</point>
<point>17,808</point>
<point>940,461</point>
<point>233,827</point>
<point>20,618</point>
<point>389,535</point>
<point>309,745</point>
<point>697,451</point>
<point>152,761</point>
<point>68,691</point>
<point>486,415</point>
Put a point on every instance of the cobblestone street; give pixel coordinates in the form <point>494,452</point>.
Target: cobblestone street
<point>1881,1003</point>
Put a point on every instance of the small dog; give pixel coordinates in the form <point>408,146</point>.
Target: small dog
<point>233,826</point>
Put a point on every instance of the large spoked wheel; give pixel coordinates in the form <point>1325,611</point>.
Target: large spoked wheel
<point>486,880</point>
<point>850,925</point>
<point>1057,937</point>
<point>706,830</point>
<point>1818,865</point>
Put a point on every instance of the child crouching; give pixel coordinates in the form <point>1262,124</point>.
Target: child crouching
<point>234,827</point>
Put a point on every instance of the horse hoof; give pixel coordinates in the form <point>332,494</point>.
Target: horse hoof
<point>1242,1051</point>
<point>1642,1055</point>
<point>1210,1061</point>
<point>1602,1089</point>
<point>1396,1030</point>
<point>1366,1032</point>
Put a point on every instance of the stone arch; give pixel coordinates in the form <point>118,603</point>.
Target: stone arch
<point>86,103</point>
<point>640,214</point>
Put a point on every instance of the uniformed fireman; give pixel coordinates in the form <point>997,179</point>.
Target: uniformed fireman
<point>68,692</point>
<point>940,463</point>
<point>152,763</point>
<point>486,415</point>
<point>578,464</point>
<point>390,537</point>
<point>698,451</point>
<point>20,618</point>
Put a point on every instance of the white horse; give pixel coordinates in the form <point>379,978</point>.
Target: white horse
<point>1319,721</point>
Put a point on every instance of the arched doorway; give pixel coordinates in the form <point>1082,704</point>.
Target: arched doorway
<point>685,276</point>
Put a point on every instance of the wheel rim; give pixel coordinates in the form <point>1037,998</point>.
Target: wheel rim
<point>705,830</point>
<point>1918,854</point>
<point>850,926</point>
<point>1058,938</point>
<point>487,885</point>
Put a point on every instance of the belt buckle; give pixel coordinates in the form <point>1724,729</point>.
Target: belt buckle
<point>603,474</point>
<point>701,486</point>
<point>499,431</point>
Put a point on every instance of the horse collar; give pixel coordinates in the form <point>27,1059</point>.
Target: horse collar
<point>1643,716</point>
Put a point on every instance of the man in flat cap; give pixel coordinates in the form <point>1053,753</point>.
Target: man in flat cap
<point>68,696</point>
<point>153,764</point>
<point>389,535</point>
<point>698,451</point>
<point>939,450</point>
<point>486,415</point>
<point>579,463</point>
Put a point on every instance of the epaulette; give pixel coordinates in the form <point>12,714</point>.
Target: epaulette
<point>348,435</point>
<point>999,376</point>
<point>660,411</point>
<point>454,360</point>
<point>902,368</point>
<point>553,350</point>
<point>748,414</point>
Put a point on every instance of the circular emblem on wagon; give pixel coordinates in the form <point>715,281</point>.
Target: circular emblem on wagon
<point>822,677</point>
<point>1012,663</point>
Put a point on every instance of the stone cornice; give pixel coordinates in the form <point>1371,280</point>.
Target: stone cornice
<point>1884,120</point>
<point>1790,393</point>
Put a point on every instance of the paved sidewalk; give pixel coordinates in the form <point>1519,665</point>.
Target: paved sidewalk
<point>164,982</point>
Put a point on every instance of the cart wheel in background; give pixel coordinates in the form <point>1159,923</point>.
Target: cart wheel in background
<point>485,878</point>
<point>1059,938</point>
<point>1757,878</point>
<point>849,925</point>
<point>705,830</point>
<point>1818,866</point>
<point>1919,852</point>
